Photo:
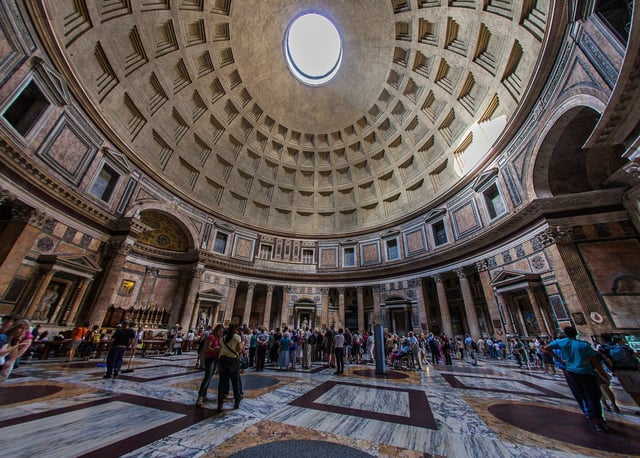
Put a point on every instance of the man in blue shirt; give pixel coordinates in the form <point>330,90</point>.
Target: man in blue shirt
<point>581,363</point>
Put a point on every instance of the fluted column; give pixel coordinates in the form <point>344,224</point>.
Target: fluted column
<point>57,311</point>
<point>190,299</point>
<point>286,297</point>
<point>509,326</point>
<point>537,311</point>
<point>39,294</point>
<point>489,295</point>
<point>118,252</point>
<point>469,305</point>
<point>267,307</point>
<point>81,289</point>
<point>443,305</point>
<point>341,316</point>
<point>360,296</point>
<point>18,238</point>
<point>377,309</point>
<point>246,316</point>
<point>231,300</point>
<point>422,311</point>
<point>325,307</point>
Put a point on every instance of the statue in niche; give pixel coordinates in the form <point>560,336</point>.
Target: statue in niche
<point>48,301</point>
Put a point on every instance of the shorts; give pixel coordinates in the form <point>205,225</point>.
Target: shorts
<point>629,379</point>
<point>75,344</point>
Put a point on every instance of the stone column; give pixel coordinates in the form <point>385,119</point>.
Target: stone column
<point>193,323</point>
<point>284,315</point>
<point>422,311</point>
<point>58,311</point>
<point>18,235</point>
<point>267,307</point>
<point>117,252</point>
<point>509,326</point>
<point>215,313</point>
<point>190,300</point>
<point>443,305</point>
<point>231,300</point>
<point>324,292</point>
<point>341,315</point>
<point>487,289</point>
<point>39,294</point>
<point>377,309</point>
<point>469,305</point>
<point>360,295</point>
<point>246,316</point>
<point>81,289</point>
<point>535,305</point>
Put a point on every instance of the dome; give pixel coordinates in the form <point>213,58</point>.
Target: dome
<point>200,96</point>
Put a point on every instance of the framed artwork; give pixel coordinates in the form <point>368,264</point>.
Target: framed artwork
<point>126,287</point>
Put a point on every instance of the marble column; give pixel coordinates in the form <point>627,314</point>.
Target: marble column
<point>231,300</point>
<point>422,311</point>
<point>324,292</point>
<point>246,316</point>
<point>523,325</point>
<point>443,305</point>
<point>535,305</point>
<point>81,289</point>
<point>19,235</point>
<point>509,327</point>
<point>190,300</point>
<point>117,252</point>
<point>341,315</point>
<point>360,295</point>
<point>284,315</point>
<point>39,294</point>
<point>215,313</point>
<point>58,314</point>
<point>377,309</point>
<point>469,305</point>
<point>266,322</point>
<point>193,323</point>
<point>487,289</point>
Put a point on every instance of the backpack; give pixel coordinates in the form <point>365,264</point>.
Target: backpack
<point>312,339</point>
<point>622,357</point>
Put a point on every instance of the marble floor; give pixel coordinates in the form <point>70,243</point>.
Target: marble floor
<point>55,409</point>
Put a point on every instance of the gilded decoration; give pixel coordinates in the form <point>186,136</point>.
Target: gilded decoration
<point>166,234</point>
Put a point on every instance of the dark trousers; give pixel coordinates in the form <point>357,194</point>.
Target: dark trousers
<point>114,359</point>
<point>586,390</point>
<point>252,356</point>
<point>261,356</point>
<point>447,359</point>
<point>209,369</point>
<point>339,352</point>
<point>229,370</point>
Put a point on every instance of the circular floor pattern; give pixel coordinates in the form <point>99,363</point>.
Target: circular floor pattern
<point>250,382</point>
<point>371,373</point>
<point>23,393</point>
<point>569,427</point>
<point>306,448</point>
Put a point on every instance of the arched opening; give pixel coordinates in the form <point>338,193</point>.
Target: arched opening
<point>167,232</point>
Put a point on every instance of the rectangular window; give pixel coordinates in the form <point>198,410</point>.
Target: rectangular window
<point>265,251</point>
<point>307,256</point>
<point>349,257</point>
<point>439,233</point>
<point>220,244</point>
<point>493,201</point>
<point>392,250</point>
<point>105,183</point>
<point>26,109</point>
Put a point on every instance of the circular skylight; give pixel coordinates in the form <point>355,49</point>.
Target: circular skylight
<point>313,49</point>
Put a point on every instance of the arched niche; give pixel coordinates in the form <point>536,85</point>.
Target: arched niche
<point>563,166</point>
<point>168,233</point>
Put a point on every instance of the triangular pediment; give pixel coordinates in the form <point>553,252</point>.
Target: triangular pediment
<point>212,295</point>
<point>72,263</point>
<point>118,159</point>
<point>484,178</point>
<point>434,214</point>
<point>512,277</point>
